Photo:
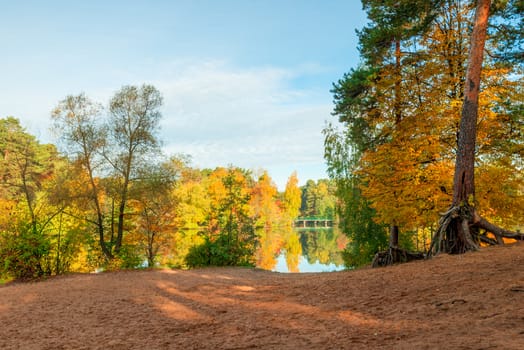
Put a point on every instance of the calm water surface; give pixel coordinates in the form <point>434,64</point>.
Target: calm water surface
<point>300,251</point>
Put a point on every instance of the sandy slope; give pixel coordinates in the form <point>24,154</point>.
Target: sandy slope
<point>474,301</point>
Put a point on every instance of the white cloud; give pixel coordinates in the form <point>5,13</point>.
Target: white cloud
<point>219,115</point>
<point>247,117</point>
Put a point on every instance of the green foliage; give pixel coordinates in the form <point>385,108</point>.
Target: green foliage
<point>178,247</point>
<point>66,245</point>
<point>508,38</point>
<point>323,246</point>
<point>72,204</point>
<point>128,257</point>
<point>392,156</point>
<point>318,199</point>
<point>366,237</point>
<point>221,252</point>
<point>407,240</point>
<point>120,146</point>
<point>230,233</point>
<point>392,20</point>
<point>23,253</point>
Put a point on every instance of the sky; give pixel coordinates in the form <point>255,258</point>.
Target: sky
<point>245,82</point>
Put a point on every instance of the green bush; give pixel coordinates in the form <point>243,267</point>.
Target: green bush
<point>362,252</point>
<point>128,257</point>
<point>22,254</point>
<point>354,258</point>
<point>220,252</point>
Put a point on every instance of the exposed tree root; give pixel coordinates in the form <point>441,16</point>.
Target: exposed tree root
<point>460,230</point>
<point>497,231</point>
<point>395,255</point>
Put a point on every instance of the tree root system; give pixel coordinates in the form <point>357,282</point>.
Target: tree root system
<point>395,255</point>
<point>462,229</point>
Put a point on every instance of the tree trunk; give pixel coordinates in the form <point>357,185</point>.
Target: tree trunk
<point>120,225</point>
<point>463,182</point>
<point>393,236</point>
<point>394,254</point>
<point>455,234</point>
<point>123,202</point>
<point>99,214</point>
<point>398,84</point>
<point>151,250</point>
<point>393,230</point>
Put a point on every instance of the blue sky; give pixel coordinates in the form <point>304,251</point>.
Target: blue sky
<point>245,82</point>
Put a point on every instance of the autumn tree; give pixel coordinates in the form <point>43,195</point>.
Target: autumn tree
<point>292,197</point>
<point>270,219</point>
<point>373,102</point>
<point>132,127</point>
<point>154,208</point>
<point>356,216</point>
<point>402,150</point>
<point>386,47</point>
<point>76,120</point>
<point>229,232</point>
<point>458,231</point>
<point>70,238</point>
<point>262,202</point>
<point>192,201</point>
<point>26,168</point>
<point>232,211</point>
<point>192,205</point>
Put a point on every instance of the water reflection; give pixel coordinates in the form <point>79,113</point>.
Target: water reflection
<point>305,250</point>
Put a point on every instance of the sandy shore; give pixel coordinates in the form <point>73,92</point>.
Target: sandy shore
<point>473,301</point>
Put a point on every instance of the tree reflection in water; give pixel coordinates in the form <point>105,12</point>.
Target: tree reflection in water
<point>291,250</point>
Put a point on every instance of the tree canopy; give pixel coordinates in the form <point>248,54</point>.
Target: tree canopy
<point>61,207</point>
<point>400,110</point>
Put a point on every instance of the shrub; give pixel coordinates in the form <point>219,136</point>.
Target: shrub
<point>23,253</point>
<point>220,252</point>
<point>129,258</point>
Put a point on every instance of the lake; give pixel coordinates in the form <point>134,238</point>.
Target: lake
<point>301,250</point>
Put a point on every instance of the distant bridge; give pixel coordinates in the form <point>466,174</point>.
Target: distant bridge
<point>313,222</point>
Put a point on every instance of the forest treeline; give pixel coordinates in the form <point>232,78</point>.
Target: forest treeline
<point>393,149</point>
<point>106,197</point>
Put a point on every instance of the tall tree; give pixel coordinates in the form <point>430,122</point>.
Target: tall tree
<point>76,121</point>
<point>373,100</point>
<point>229,233</point>
<point>292,197</point>
<point>26,167</point>
<point>455,232</point>
<point>262,202</point>
<point>357,218</point>
<point>133,126</point>
<point>403,149</point>
<point>383,44</point>
<point>154,208</point>
<point>19,164</point>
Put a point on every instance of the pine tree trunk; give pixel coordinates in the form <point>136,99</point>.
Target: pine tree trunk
<point>393,236</point>
<point>455,235</point>
<point>463,182</point>
<point>393,230</point>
